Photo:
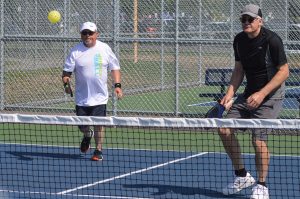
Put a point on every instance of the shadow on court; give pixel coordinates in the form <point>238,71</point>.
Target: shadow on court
<point>29,156</point>
<point>185,191</point>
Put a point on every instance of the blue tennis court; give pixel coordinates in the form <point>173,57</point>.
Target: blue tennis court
<point>37,171</point>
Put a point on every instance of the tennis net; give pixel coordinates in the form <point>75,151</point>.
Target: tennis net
<point>143,157</point>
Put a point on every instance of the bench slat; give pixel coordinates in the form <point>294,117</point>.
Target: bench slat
<point>221,77</point>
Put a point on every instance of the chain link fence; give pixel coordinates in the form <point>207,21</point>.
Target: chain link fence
<point>164,47</point>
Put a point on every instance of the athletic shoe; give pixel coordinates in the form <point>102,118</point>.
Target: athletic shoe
<point>85,144</point>
<point>97,155</point>
<point>239,184</point>
<point>260,192</point>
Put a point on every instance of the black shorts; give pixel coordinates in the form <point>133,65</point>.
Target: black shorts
<point>99,110</point>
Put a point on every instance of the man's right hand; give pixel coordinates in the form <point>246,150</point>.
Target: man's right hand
<point>66,81</point>
<point>227,102</point>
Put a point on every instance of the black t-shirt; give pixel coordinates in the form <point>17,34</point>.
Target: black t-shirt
<point>260,57</point>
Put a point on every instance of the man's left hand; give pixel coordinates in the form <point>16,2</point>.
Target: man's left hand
<point>255,100</point>
<point>119,93</point>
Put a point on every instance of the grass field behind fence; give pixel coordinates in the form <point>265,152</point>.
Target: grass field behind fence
<point>149,85</point>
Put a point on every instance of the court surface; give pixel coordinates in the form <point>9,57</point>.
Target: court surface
<point>36,171</point>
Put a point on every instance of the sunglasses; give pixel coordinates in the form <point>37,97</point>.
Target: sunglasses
<point>87,33</point>
<point>250,19</point>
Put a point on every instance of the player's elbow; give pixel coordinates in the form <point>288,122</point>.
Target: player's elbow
<point>285,73</point>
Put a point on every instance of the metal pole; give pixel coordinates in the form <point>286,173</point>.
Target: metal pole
<point>176,59</point>
<point>64,30</point>
<point>135,26</point>
<point>65,23</point>
<point>2,94</point>
<point>162,48</point>
<point>232,29</point>
<point>200,45</point>
<point>116,29</point>
<point>286,19</point>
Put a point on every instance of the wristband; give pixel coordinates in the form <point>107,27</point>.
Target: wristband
<point>117,85</point>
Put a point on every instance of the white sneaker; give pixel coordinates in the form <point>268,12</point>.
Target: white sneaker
<point>239,184</point>
<point>260,192</point>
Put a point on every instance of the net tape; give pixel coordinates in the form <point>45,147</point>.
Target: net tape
<point>152,122</point>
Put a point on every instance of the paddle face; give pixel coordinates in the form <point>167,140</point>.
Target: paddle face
<point>71,91</point>
<point>68,88</point>
<point>215,112</point>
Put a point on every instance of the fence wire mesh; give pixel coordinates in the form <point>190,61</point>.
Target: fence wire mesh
<point>164,48</point>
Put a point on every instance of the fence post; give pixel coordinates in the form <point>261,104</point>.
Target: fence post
<point>2,94</point>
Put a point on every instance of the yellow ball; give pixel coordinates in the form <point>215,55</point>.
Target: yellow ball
<point>54,16</point>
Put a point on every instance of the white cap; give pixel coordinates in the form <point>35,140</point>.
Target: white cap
<point>88,26</point>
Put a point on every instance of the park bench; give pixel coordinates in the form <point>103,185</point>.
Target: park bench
<point>221,77</point>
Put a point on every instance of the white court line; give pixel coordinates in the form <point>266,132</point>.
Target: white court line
<point>129,149</point>
<point>131,173</point>
<point>76,147</point>
<point>253,154</point>
<point>72,195</point>
<point>213,102</point>
<point>203,103</point>
<point>117,197</point>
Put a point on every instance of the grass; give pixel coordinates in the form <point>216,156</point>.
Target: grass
<point>164,101</point>
<point>149,86</point>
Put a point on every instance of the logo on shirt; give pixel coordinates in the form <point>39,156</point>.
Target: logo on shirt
<point>98,64</point>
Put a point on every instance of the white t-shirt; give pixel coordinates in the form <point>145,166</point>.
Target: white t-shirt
<point>91,66</point>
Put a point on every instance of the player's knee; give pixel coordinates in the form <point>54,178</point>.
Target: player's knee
<point>259,139</point>
<point>224,132</point>
<point>258,142</point>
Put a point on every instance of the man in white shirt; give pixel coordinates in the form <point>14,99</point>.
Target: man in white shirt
<point>90,60</point>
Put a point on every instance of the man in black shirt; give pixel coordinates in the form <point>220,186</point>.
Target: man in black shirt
<point>260,57</point>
